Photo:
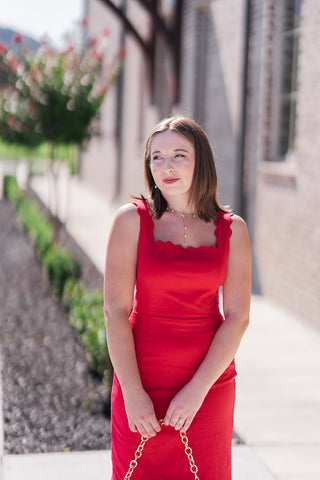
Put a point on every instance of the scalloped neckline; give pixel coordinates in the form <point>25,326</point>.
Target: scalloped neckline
<point>189,247</point>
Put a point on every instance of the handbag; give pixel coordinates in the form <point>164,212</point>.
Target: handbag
<point>187,451</point>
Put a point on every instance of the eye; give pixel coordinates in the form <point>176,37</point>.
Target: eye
<point>180,155</point>
<point>156,158</point>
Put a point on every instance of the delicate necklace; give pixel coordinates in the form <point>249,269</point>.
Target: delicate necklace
<point>185,229</point>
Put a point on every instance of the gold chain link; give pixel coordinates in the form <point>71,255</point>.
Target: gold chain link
<point>137,455</point>
<point>187,451</point>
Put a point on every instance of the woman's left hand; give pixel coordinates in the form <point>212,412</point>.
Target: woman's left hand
<point>183,408</point>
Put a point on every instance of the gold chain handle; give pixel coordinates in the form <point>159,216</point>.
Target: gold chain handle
<point>187,451</point>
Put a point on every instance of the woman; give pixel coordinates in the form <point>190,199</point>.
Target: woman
<point>173,352</point>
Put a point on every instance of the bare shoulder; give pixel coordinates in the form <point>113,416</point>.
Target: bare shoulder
<point>239,230</point>
<point>127,221</point>
<point>238,224</point>
<point>127,213</point>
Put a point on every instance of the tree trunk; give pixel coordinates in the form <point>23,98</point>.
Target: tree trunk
<point>54,194</point>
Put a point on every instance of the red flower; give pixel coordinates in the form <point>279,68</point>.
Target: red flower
<point>3,49</point>
<point>17,38</point>
<point>103,90</point>
<point>84,21</point>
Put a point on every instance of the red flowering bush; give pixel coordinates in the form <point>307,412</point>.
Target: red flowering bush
<point>17,119</point>
<point>56,95</point>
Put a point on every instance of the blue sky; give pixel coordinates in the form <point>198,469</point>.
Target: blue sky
<point>42,18</point>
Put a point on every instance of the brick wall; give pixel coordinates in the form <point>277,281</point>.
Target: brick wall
<point>212,80</point>
<point>100,160</point>
<point>210,92</point>
<point>283,197</point>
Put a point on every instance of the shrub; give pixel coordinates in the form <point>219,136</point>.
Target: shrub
<point>60,266</point>
<point>29,217</point>
<point>38,228</point>
<point>12,190</point>
<point>85,313</point>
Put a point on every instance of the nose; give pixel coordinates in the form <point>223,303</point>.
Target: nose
<point>168,164</point>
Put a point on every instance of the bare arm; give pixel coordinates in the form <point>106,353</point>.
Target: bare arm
<point>236,306</point>
<point>120,277</point>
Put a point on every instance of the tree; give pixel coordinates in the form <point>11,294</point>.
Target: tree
<point>54,96</point>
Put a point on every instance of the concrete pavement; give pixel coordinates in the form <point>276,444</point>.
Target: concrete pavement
<point>278,389</point>
<point>97,466</point>
<point>278,402</point>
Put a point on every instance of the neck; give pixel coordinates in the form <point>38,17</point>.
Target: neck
<point>180,207</point>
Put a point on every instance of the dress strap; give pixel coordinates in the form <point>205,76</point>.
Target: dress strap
<point>223,231</point>
<point>146,223</point>
<point>143,209</point>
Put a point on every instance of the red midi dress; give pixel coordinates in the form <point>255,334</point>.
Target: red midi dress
<point>174,319</point>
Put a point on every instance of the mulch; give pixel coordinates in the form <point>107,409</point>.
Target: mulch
<point>51,400</point>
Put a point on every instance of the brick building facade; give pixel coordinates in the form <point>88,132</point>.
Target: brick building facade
<point>282,161</point>
<point>249,75</point>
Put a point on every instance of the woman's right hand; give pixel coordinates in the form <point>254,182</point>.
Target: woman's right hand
<point>141,415</point>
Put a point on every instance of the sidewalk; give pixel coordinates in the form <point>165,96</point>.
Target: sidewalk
<point>278,389</point>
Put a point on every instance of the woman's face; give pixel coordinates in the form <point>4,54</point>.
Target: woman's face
<point>172,163</point>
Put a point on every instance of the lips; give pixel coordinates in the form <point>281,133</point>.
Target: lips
<point>170,180</point>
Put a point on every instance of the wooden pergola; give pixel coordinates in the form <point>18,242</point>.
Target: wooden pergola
<point>171,34</point>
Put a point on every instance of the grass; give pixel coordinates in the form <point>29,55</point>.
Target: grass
<point>67,153</point>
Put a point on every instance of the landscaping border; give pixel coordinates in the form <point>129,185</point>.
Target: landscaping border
<point>84,306</point>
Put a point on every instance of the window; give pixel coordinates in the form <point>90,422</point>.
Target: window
<point>282,52</point>
<point>291,20</point>
<point>202,30</point>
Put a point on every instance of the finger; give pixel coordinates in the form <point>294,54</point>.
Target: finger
<point>156,425</point>
<point>166,421</point>
<point>147,430</point>
<point>168,416</point>
<point>152,427</point>
<point>132,427</point>
<point>143,432</point>
<point>180,423</point>
<point>171,418</point>
<point>185,426</point>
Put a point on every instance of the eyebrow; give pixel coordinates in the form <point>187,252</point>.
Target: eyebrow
<point>175,150</point>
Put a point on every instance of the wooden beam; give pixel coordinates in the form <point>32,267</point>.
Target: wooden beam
<point>128,25</point>
<point>172,35</point>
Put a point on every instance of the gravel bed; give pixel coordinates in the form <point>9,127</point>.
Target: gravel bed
<point>51,400</point>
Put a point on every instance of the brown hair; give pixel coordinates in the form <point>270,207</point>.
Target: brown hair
<point>204,186</point>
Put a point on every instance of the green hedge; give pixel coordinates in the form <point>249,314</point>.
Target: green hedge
<point>60,267</point>
<point>85,312</point>
<point>12,191</point>
<point>29,217</point>
<point>65,153</point>
<point>84,307</point>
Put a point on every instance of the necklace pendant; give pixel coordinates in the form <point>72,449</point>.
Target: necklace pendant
<point>185,228</point>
